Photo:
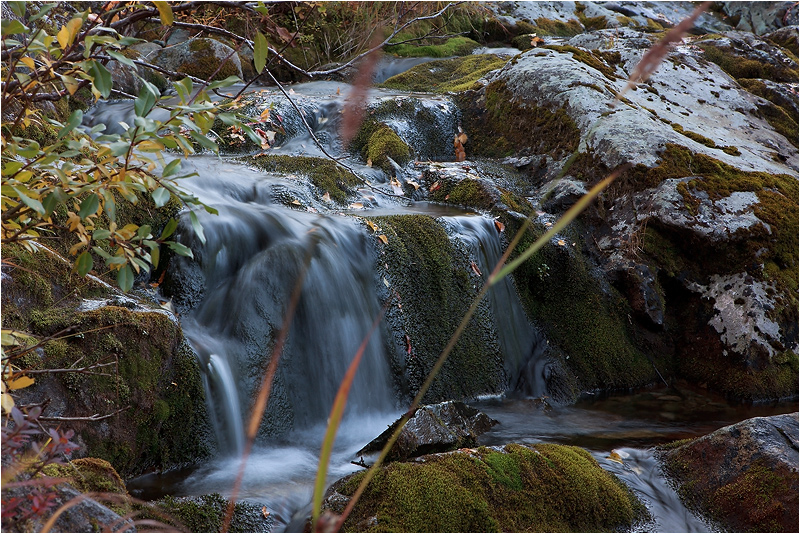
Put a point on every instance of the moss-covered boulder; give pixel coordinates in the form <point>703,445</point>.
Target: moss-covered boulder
<point>200,57</point>
<point>743,476</point>
<point>434,286</point>
<point>539,488</point>
<point>206,513</point>
<point>446,75</point>
<point>147,381</point>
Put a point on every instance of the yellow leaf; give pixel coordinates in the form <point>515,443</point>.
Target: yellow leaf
<point>356,206</point>
<point>63,37</point>
<point>326,197</point>
<point>369,162</point>
<point>412,183</point>
<point>265,114</point>
<point>384,239</point>
<point>296,202</point>
<point>19,383</point>
<point>561,242</point>
<point>373,226</point>
<point>28,61</point>
<point>8,402</point>
<point>165,12</point>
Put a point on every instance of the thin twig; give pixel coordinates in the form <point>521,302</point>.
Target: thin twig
<point>91,418</point>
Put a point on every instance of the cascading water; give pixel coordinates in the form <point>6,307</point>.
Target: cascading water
<point>240,286</point>
<point>522,345</point>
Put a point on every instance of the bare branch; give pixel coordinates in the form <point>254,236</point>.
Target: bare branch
<point>91,418</point>
<point>167,72</point>
<point>83,370</point>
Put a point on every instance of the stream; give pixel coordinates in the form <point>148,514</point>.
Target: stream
<point>232,300</point>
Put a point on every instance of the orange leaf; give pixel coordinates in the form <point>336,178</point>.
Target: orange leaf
<point>475,269</point>
<point>500,226</point>
<point>436,186</point>
<point>383,238</point>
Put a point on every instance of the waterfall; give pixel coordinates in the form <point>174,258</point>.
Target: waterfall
<point>522,345</point>
<point>238,288</point>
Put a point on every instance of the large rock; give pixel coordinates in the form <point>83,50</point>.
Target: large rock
<point>516,488</point>
<point>200,58</point>
<point>760,17</point>
<point>711,199</point>
<point>744,476</point>
<point>434,428</point>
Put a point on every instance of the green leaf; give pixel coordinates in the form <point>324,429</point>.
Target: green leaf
<point>10,167</point>
<point>143,231</point>
<point>172,167</point>
<point>110,205</point>
<point>184,89</point>
<point>18,8</point>
<point>155,255</point>
<point>119,148</point>
<point>73,122</point>
<point>32,203</point>
<point>169,229</point>
<point>198,228</point>
<point>260,52</point>
<point>9,27</point>
<point>84,263</point>
<point>204,141</point>
<point>141,264</point>
<point>53,199</point>
<point>44,10</point>
<point>165,12</point>
<point>89,206</point>
<point>101,234</point>
<point>125,278</point>
<point>102,253</point>
<point>122,59</point>
<point>227,82</point>
<point>160,196</point>
<point>180,249</point>
<point>145,102</point>
<point>101,78</point>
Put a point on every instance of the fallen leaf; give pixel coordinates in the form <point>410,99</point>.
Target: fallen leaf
<point>383,238</point>
<point>265,114</point>
<point>408,344</point>
<point>264,512</point>
<point>312,210</point>
<point>462,137</point>
<point>548,224</point>
<point>385,282</point>
<point>413,184</point>
<point>536,41</point>
<point>369,162</point>
<point>475,269</point>
<point>500,226</point>
<point>326,197</point>
<point>396,187</point>
<point>337,91</point>
<point>296,202</point>
<point>561,242</point>
<point>373,226</point>
<point>436,186</point>
<point>356,206</point>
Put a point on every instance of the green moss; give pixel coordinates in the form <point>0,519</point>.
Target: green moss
<point>93,475</point>
<point>324,174</point>
<point>205,63</point>
<point>784,120</point>
<point>626,21</point>
<point>590,23</point>
<point>436,287</point>
<point>205,513</point>
<point>541,488</point>
<point>703,140</point>
<point>455,46</point>
<point>557,28</point>
<point>589,324</point>
<point>467,192</point>
<point>740,67</point>
<point>445,76</point>
<point>502,126</point>
<point>597,62</point>
<point>383,143</point>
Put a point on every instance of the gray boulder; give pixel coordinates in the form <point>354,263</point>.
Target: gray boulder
<point>434,428</point>
<point>201,58</point>
<point>760,17</point>
<point>744,476</point>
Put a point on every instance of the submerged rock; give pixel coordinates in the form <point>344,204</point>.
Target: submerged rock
<point>516,488</point>
<point>744,476</point>
<point>434,428</point>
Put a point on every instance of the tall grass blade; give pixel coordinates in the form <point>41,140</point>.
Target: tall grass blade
<point>337,411</point>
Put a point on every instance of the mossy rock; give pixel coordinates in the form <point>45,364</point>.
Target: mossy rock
<point>455,46</point>
<point>445,76</point>
<point>205,513</point>
<point>742,67</point>
<point>326,175</point>
<point>539,488</point>
<point>93,475</point>
<point>498,125</point>
<point>377,142</point>
<point>435,286</point>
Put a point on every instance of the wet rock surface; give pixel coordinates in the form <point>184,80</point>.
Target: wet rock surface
<point>434,428</point>
<point>744,476</point>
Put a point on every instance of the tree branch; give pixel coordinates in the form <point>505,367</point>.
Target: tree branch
<point>95,417</point>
